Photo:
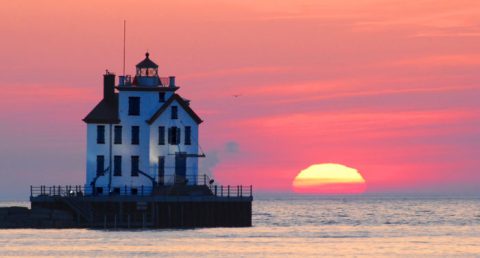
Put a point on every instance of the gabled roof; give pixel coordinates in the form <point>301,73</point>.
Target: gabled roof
<point>182,103</point>
<point>147,63</point>
<point>106,112</point>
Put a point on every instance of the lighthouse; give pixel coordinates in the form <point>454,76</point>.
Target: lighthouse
<point>141,135</point>
<point>142,165</point>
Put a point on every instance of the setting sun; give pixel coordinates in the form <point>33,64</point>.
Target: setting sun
<point>329,179</point>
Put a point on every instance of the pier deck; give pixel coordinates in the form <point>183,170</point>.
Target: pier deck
<point>163,207</point>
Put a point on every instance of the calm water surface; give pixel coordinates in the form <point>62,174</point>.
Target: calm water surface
<point>363,226</point>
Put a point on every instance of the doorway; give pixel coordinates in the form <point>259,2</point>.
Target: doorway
<point>181,168</point>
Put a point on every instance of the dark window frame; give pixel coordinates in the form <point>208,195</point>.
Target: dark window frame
<point>161,97</point>
<point>161,135</point>
<point>174,135</point>
<point>116,191</point>
<point>99,190</point>
<point>117,139</point>
<point>188,135</point>
<point>135,133</point>
<point>133,106</point>
<point>100,164</point>
<point>135,165</point>
<point>100,134</point>
<point>174,112</point>
<point>117,168</point>
<point>161,170</point>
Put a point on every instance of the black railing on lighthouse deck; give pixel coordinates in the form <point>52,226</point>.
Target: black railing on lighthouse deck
<point>231,190</point>
<point>165,182</point>
<point>126,81</point>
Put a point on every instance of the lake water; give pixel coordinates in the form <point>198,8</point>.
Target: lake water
<point>363,226</point>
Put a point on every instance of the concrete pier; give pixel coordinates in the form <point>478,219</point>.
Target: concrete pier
<point>164,207</point>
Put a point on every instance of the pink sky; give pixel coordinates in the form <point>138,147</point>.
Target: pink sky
<point>391,88</point>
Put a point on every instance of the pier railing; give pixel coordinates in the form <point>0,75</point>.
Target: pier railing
<point>80,191</point>
<point>163,186</point>
<point>231,190</point>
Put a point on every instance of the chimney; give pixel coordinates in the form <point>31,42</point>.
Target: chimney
<point>109,87</point>
<point>172,82</point>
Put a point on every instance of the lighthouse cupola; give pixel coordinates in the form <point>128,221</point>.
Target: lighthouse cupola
<point>147,73</point>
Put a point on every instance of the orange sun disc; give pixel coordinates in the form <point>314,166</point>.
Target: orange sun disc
<point>329,178</point>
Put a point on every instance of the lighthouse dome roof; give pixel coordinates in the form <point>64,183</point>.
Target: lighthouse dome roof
<point>147,63</point>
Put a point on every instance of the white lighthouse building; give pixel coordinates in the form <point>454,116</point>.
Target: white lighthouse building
<point>141,135</point>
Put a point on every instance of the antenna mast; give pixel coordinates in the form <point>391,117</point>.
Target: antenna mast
<point>124,39</point>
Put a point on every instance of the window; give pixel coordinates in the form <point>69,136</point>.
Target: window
<point>174,135</point>
<point>133,106</point>
<point>118,135</point>
<point>188,135</point>
<point>134,191</point>
<point>99,190</point>
<point>149,72</point>
<point>116,190</point>
<point>161,96</point>
<point>100,134</point>
<point>100,165</point>
<point>135,134</point>
<point>134,166</point>
<point>161,170</point>
<point>117,165</point>
<point>161,135</point>
<point>174,112</point>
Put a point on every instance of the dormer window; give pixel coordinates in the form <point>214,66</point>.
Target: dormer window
<point>174,112</point>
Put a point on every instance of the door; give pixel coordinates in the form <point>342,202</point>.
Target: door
<point>180,167</point>
<point>161,170</point>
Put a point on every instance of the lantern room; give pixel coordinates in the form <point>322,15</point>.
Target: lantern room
<point>147,72</point>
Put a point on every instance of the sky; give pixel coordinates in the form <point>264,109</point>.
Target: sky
<point>390,88</point>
